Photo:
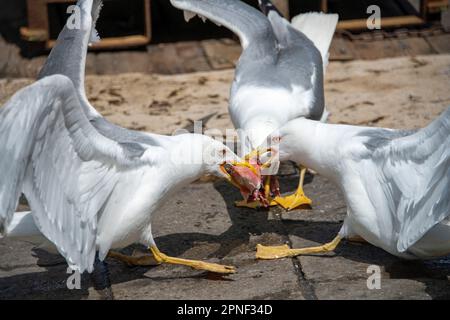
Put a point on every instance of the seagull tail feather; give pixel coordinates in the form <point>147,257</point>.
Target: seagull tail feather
<point>319,28</point>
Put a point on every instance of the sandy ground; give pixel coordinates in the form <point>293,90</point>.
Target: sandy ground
<point>406,92</point>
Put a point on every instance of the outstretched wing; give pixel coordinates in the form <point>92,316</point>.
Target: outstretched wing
<point>65,167</point>
<point>416,178</point>
<point>251,26</point>
<point>68,56</point>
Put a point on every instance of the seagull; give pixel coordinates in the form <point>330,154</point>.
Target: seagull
<point>396,183</point>
<point>279,76</point>
<point>93,186</point>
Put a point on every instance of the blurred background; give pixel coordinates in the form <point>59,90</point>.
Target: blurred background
<point>28,29</point>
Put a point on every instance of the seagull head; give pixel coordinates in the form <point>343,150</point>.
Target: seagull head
<point>245,177</point>
<point>224,163</point>
<point>265,161</point>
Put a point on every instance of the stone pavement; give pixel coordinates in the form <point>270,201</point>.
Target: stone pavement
<point>201,222</point>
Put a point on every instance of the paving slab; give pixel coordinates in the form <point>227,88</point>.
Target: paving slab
<point>401,289</point>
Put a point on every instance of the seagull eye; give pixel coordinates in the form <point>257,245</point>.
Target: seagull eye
<point>276,139</point>
<point>228,168</point>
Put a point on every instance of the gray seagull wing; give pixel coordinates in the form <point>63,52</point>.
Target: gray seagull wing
<point>252,27</point>
<point>415,170</point>
<point>68,57</point>
<point>65,167</point>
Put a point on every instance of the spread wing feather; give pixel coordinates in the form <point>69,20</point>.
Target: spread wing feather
<point>67,170</point>
<point>416,167</point>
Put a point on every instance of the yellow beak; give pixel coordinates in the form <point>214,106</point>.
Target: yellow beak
<point>229,178</point>
<point>257,153</point>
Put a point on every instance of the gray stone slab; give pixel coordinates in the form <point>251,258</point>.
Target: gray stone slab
<point>397,289</point>
<point>16,254</point>
<point>327,201</point>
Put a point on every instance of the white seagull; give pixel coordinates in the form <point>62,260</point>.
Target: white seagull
<point>93,186</point>
<point>280,73</point>
<point>396,183</point>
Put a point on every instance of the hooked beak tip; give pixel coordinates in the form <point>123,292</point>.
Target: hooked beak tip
<point>225,173</point>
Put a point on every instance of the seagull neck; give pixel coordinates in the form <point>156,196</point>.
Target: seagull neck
<point>314,145</point>
<point>185,173</point>
<point>186,157</point>
<point>256,131</point>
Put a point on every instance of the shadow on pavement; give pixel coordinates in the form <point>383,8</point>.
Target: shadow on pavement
<point>51,284</point>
